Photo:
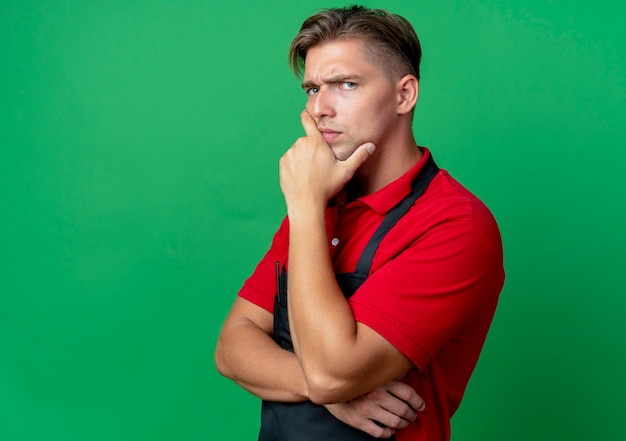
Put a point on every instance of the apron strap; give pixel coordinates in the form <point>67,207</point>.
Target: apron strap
<point>418,187</point>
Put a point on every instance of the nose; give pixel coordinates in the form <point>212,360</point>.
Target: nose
<point>321,104</point>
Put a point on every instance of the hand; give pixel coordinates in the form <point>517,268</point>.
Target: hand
<point>309,171</point>
<point>394,405</point>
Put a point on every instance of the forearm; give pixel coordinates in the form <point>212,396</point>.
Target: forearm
<point>340,358</point>
<point>249,356</point>
<point>321,322</point>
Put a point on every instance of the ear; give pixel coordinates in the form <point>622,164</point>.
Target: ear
<point>408,90</point>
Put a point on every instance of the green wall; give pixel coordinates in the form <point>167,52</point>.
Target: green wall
<point>139,143</point>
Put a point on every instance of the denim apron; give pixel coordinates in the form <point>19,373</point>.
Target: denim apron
<point>306,421</point>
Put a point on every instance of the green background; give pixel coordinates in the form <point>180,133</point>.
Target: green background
<point>138,184</point>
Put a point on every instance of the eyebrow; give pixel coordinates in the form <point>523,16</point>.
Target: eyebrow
<point>332,80</point>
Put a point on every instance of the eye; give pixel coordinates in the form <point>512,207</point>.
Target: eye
<point>348,85</point>
<point>311,91</point>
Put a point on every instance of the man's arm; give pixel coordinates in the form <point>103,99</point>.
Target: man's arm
<point>247,354</point>
<point>381,411</point>
<point>341,359</point>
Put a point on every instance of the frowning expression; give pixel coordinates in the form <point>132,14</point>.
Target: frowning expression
<point>352,100</point>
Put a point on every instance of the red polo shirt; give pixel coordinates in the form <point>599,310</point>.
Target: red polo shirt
<point>432,289</point>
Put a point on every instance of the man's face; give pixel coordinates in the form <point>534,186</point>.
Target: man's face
<point>350,98</point>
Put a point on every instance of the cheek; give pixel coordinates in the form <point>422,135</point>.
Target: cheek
<point>374,125</point>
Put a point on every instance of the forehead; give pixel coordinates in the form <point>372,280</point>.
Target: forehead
<point>340,57</point>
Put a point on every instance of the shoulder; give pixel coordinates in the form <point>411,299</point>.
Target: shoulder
<point>447,200</point>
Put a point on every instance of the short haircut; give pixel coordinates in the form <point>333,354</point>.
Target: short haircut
<point>388,38</point>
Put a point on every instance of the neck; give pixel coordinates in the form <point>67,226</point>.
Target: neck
<point>387,164</point>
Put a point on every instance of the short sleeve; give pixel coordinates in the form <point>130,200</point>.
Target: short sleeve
<point>428,293</point>
<point>260,287</point>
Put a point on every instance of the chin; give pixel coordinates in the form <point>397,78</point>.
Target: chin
<point>342,152</point>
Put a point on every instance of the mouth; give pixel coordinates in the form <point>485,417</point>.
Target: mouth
<point>329,135</point>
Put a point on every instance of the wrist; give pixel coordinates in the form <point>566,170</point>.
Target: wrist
<point>305,211</point>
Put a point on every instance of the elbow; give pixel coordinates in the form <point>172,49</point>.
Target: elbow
<point>322,397</point>
<point>324,388</point>
<point>220,361</point>
<point>221,368</point>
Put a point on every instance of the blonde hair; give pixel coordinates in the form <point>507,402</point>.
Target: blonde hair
<point>388,38</point>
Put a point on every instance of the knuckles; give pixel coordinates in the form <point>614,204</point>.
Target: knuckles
<point>376,395</point>
<point>379,432</point>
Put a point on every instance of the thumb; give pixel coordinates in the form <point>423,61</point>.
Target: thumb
<point>359,156</point>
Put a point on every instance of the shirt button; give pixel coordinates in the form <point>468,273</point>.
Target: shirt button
<point>335,242</point>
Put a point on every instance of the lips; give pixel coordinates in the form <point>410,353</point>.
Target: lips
<point>329,135</point>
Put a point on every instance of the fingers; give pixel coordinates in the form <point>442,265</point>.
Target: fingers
<point>360,155</point>
<point>381,411</point>
<point>407,394</point>
<point>374,419</point>
<point>310,126</point>
<point>376,430</point>
<point>391,410</point>
<point>310,170</point>
<point>358,414</point>
<point>394,405</point>
<point>351,164</point>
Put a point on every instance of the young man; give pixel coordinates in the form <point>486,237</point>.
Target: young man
<point>375,297</point>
